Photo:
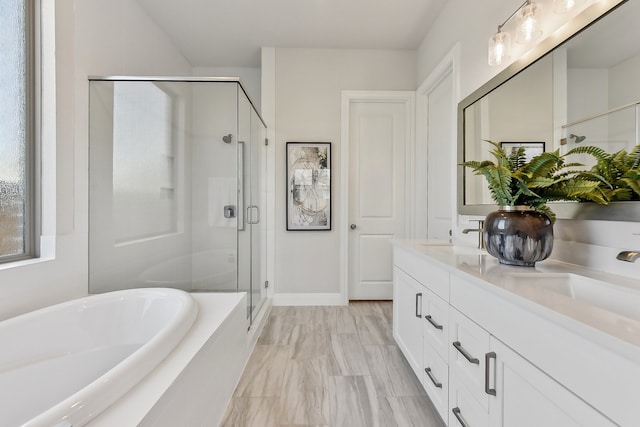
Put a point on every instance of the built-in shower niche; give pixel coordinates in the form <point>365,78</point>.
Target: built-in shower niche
<point>175,173</point>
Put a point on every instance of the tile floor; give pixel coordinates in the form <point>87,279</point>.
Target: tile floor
<point>329,366</point>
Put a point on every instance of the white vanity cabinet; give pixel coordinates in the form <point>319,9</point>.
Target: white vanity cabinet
<point>527,397</point>
<point>492,385</point>
<point>485,361</point>
<point>418,302</point>
<point>407,317</point>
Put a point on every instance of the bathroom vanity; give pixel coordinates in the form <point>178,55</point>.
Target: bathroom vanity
<point>497,345</point>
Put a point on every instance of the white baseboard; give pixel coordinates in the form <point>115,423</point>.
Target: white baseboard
<point>309,299</point>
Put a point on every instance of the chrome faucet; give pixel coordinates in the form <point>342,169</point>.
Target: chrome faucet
<point>480,231</point>
<point>628,256</point>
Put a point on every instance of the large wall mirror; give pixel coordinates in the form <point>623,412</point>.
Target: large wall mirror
<point>584,91</point>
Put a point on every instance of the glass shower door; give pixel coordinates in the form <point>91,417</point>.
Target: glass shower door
<point>258,214</point>
<point>162,185</point>
<point>244,197</point>
<point>251,133</point>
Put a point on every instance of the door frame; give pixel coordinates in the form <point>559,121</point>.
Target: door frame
<point>348,97</point>
<point>450,64</point>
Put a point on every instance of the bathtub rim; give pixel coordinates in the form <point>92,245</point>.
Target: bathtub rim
<point>217,309</point>
<point>123,376</point>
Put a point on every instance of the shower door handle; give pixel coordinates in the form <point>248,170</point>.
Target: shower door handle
<point>250,217</point>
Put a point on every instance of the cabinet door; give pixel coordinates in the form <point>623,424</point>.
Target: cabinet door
<point>436,323</point>
<point>464,408</point>
<point>468,345</point>
<point>407,318</point>
<point>435,379</point>
<point>527,397</point>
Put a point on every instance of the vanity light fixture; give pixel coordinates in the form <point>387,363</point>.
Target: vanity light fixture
<point>528,29</point>
<point>564,6</point>
<point>499,47</point>
<point>526,32</point>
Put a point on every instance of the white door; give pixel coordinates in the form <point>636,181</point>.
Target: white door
<point>379,130</point>
<point>440,160</point>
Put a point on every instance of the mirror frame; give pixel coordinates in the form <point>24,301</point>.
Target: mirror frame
<point>615,211</point>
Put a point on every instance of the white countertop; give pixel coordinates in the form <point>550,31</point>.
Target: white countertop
<point>597,305</point>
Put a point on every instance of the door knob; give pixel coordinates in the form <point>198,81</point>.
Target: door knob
<point>353,226</point>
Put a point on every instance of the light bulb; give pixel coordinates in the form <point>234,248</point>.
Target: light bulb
<point>528,30</point>
<point>564,6</point>
<point>499,48</point>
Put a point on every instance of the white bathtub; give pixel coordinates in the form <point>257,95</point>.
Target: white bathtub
<point>64,364</point>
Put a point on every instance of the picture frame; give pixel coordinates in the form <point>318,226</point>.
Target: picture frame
<point>532,149</point>
<point>308,186</point>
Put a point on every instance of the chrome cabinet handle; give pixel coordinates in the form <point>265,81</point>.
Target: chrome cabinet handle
<point>433,322</point>
<point>418,296</point>
<point>487,375</point>
<point>353,226</point>
<point>465,353</point>
<point>432,378</point>
<point>458,413</point>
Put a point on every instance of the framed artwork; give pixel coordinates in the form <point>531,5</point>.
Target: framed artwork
<point>531,149</point>
<point>308,186</point>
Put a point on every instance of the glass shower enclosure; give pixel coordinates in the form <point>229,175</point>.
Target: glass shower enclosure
<point>175,186</point>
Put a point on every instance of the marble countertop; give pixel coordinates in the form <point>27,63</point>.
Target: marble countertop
<point>600,306</point>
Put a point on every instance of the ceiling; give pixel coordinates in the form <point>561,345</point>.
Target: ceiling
<point>231,32</point>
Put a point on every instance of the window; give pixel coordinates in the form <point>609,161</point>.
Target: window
<point>17,127</point>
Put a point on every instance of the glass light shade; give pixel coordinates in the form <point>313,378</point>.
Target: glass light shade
<point>527,26</point>
<point>564,6</point>
<point>499,48</point>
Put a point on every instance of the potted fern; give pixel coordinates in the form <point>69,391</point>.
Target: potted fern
<point>520,232</point>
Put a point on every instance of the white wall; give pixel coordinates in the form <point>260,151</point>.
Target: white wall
<point>92,37</point>
<point>471,24</point>
<point>627,73</point>
<point>249,77</point>
<point>308,85</point>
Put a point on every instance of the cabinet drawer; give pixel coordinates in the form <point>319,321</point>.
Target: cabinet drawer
<point>433,277</point>
<point>435,379</point>
<point>436,323</point>
<point>464,409</point>
<point>469,345</point>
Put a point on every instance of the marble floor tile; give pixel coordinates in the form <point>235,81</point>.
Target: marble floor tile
<point>349,354</point>
<point>373,330</point>
<point>311,368</point>
<point>345,323</point>
<point>353,402</point>
<point>414,411</point>
<point>304,315</point>
<point>391,373</point>
<point>309,342</point>
<point>304,398</point>
<point>360,308</point>
<point>384,310</point>
<point>264,373</point>
<point>277,330</point>
<point>251,412</point>
<point>326,318</point>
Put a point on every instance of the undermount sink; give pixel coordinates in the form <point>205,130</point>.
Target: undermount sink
<point>612,298</point>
